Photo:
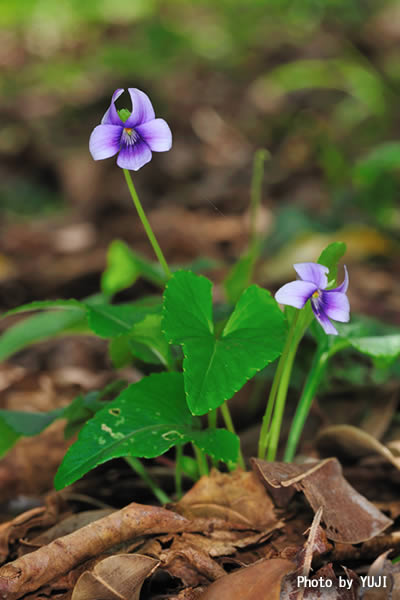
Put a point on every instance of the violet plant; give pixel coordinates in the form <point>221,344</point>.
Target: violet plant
<point>205,355</point>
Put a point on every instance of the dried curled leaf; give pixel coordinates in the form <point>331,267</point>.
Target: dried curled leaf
<point>43,516</point>
<point>32,571</point>
<point>118,577</point>
<point>238,497</point>
<point>250,583</point>
<point>323,485</point>
<point>346,441</point>
<point>382,567</point>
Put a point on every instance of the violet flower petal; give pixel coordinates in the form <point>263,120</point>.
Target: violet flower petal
<point>134,156</point>
<point>324,321</point>
<point>295,293</point>
<point>142,108</point>
<point>111,116</point>
<point>156,134</point>
<point>335,305</point>
<point>105,141</point>
<point>313,272</point>
<point>343,286</point>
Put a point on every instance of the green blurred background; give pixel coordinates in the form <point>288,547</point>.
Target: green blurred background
<point>316,82</point>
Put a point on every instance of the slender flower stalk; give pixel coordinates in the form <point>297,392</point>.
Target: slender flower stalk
<point>272,421</point>
<point>315,375</point>
<point>146,224</point>
<point>314,378</point>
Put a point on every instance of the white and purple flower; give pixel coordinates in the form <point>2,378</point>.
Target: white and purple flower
<point>326,304</point>
<point>136,138</point>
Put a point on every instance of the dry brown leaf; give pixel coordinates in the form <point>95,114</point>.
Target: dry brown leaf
<point>251,583</point>
<point>65,526</point>
<point>386,576</point>
<point>34,570</point>
<point>43,516</point>
<point>346,441</point>
<point>323,485</point>
<point>237,497</point>
<point>191,564</point>
<point>118,577</point>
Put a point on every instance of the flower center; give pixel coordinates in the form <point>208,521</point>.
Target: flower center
<point>316,294</point>
<point>129,136</point>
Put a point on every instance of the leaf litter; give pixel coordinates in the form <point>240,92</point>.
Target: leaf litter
<point>226,538</point>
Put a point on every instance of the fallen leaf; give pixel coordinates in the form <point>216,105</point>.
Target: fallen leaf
<point>43,516</point>
<point>191,564</point>
<point>237,497</point>
<point>251,583</point>
<point>324,486</point>
<point>32,571</point>
<point>118,577</point>
<point>346,441</point>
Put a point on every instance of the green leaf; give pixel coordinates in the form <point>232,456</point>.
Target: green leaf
<point>122,270</point>
<point>120,351</point>
<point>146,419</point>
<point>216,367</point>
<point>370,337</point>
<point>41,327</point>
<point>69,318</point>
<point>14,424</point>
<point>330,257</point>
<point>148,333</point>
<point>46,304</point>
<point>145,342</point>
<point>109,320</point>
<point>387,346</point>
<point>220,444</point>
<point>29,423</point>
<point>83,407</point>
<point>8,437</point>
<point>125,266</point>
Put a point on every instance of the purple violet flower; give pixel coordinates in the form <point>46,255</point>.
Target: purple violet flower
<point>136,138</point>
<point>326,304</point>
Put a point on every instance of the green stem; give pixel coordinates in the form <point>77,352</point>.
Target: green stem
<point>178,471</point>
<point>265,428</point>
<point>137,466</point>
<point>313,380</point>
<point>318,367</point>
<point>146,224</point>
<point>201,460</point>
<point>264,433</point>
<point>226,415</point>
<point>281,400</point>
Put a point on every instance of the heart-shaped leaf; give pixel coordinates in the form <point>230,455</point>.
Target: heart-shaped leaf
<point>215,367</point>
